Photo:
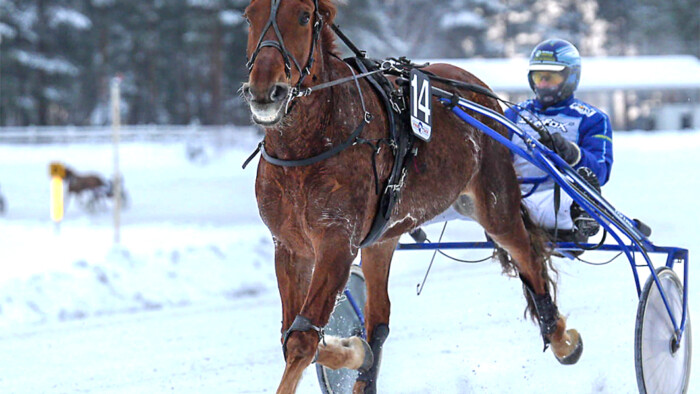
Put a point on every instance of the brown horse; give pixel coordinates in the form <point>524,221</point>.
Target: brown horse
<point>89,189</point>
<point>320,213</point>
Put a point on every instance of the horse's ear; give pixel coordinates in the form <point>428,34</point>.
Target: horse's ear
<point>327,10</point>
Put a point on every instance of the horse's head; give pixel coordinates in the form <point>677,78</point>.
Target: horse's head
<point>69,173</point>
<point>283,48</point>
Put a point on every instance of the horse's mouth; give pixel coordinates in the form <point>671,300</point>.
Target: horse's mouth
<point>267,114</point>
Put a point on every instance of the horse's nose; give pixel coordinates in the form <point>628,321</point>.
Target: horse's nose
<point>247,93</point>
<point>278,92</point>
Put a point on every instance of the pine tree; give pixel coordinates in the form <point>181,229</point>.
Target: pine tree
<point>38,69</point>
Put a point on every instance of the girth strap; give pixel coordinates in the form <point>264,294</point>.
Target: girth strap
<point>302,324</point>
<point>401,143</point>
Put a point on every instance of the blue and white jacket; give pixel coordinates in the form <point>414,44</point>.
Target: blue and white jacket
<point>578,122</point>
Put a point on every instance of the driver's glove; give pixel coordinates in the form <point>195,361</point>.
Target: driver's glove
<point>566,149</point>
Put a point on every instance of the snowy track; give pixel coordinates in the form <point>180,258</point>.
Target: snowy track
<point>464,334</point>
<point>189,304</point>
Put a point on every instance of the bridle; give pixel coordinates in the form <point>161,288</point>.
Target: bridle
<point>286,55</point>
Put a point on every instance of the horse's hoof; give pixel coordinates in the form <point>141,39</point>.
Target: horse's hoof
<point>359,387</point>
<point>569,353</point>
<point>369,357</point>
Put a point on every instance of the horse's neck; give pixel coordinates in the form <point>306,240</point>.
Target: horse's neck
<point>303,130</point>
<point>319,121</point>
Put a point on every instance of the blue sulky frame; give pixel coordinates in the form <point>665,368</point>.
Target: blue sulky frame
<point>617,225</point>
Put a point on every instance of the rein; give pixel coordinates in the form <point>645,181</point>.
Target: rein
<point>359,53</point>
<point>315,88</point>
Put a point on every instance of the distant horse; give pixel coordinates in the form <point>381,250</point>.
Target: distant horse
<point>90,189</point>
<point>320,211</point>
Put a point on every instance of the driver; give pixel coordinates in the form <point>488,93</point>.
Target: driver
<point>581,135</point>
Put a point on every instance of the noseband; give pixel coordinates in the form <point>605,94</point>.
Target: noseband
<point>286,55</point>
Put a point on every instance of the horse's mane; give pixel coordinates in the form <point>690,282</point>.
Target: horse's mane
<point>328,11</point>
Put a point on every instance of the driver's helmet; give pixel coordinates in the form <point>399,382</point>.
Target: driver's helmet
<point>558,56</point>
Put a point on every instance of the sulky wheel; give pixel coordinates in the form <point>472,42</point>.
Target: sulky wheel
<point>344,322</point>
<point>662,362</point>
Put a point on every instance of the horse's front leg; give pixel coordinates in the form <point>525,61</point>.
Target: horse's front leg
<point>376,261</point>
<point>293,277</point>
<point>304,341</point>
<point>293,270</point>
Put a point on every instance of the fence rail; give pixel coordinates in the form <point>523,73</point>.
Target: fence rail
<point>81,134</point>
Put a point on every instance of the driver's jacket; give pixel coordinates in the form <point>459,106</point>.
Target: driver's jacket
<point>578,122</point>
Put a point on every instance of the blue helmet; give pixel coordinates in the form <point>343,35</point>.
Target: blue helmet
<point>559,56</point>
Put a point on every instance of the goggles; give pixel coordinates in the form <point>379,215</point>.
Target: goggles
<point>554,78</point>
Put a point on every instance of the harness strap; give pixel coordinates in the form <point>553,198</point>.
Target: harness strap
<point>252,155</point>
<point>401,144</point>
<point>367,115</point>
<point>352,140</point>
<point>375,151</point>
<point>347,41</point>
<point>315,159</point>
<point>302,324</point>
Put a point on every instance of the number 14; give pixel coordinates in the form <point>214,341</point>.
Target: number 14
<point>420,99</point>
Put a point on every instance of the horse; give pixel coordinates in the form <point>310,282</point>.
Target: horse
<point>320,210</point>
<point>91,188</point>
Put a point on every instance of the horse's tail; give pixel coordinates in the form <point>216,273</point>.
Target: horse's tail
<point>539,241</point>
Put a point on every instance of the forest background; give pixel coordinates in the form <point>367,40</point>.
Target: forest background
<point>183,61</point>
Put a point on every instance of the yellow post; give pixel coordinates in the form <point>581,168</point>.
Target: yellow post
<point>56,199</point>
<point>57,172</point>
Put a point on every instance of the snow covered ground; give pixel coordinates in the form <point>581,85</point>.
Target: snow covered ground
<point>192,244</point>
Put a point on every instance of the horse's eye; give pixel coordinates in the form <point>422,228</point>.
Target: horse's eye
<point>304,18</point>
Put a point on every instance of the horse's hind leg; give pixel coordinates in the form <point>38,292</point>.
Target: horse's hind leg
<point>527,251</point>
<point>376,261</point>
<point>498,209</point>
<point>566,344</point>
